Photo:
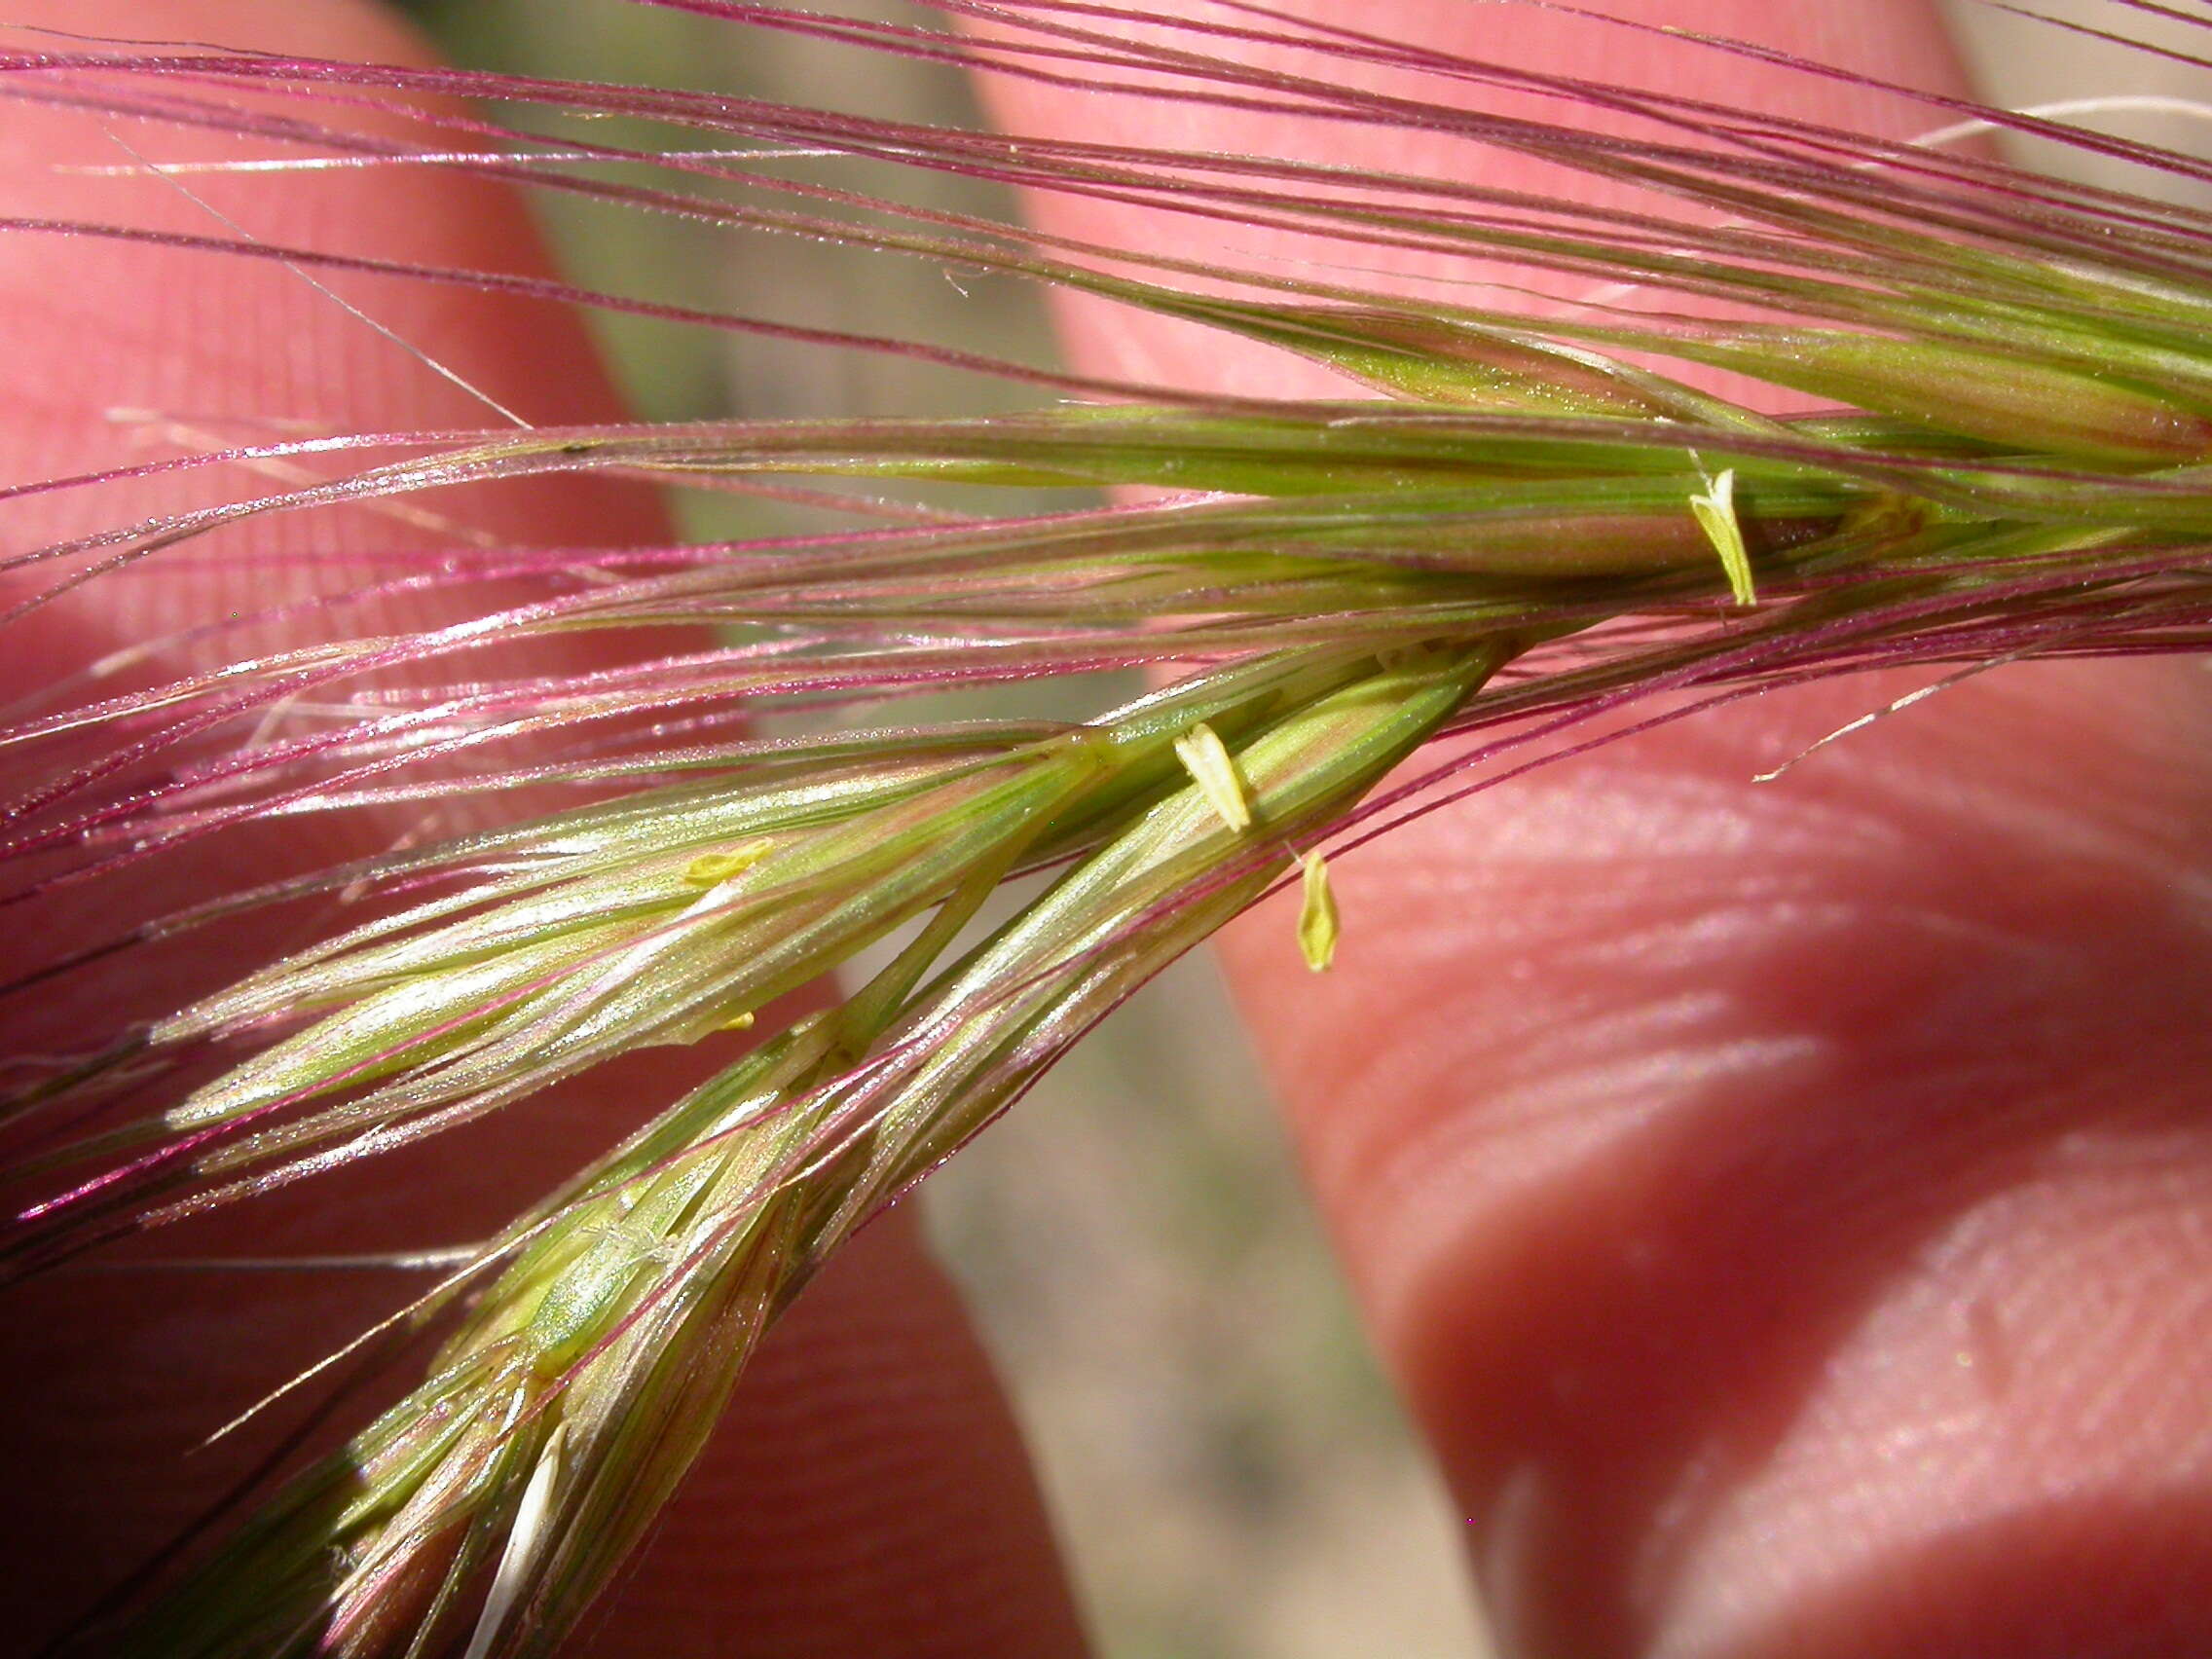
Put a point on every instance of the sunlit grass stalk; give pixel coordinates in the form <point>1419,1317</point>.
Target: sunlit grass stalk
<point>589,1370</point>
<point>1537,526</point>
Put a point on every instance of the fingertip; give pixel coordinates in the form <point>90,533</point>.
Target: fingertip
<point>1681,1134</point>
<point>1675,1127</point>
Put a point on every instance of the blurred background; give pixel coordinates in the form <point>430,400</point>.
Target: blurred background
<point>1232,1477</point>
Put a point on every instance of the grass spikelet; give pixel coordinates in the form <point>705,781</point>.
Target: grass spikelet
<point>1482,543</point>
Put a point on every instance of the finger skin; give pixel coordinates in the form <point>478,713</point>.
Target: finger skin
<point>869,1494</point>
<point>1787,1207</point>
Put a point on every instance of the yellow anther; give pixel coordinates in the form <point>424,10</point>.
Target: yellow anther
<point>1317,915</point>
<point>712,870</point>
<point>1715,515</point>
<point>1206,759</point>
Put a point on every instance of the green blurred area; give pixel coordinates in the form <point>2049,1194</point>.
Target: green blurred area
<point>672,372</point>
<point>1230,1476</point>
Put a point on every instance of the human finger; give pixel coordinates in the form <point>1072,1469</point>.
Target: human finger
<point>1786,1206</point>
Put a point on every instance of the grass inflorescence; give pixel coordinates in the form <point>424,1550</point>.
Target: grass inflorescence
<point>1538,525</point>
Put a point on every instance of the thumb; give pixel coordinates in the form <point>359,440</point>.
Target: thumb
<point>1787,1207</point>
